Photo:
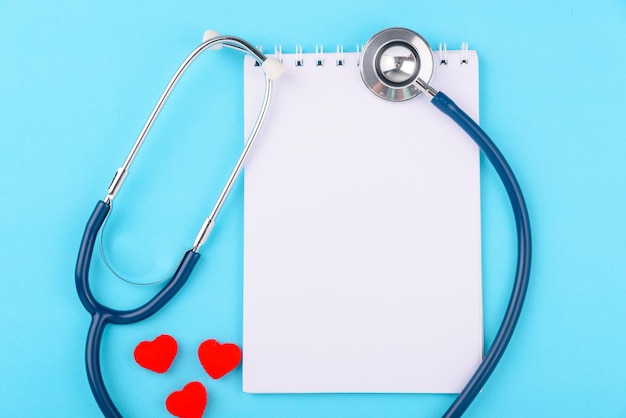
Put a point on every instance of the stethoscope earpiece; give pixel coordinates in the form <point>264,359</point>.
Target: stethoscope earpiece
<point>393,60</point>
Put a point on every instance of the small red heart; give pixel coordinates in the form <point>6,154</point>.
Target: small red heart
<point>189,402</point>
<point>156,355</point>
<point>218,359</point>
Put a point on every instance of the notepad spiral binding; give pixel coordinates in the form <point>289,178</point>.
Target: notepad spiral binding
<point>340,58</point>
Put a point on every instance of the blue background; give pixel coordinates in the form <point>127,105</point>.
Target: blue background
<point>78,79</point>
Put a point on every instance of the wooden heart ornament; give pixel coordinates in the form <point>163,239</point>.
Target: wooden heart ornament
<point>188,402</point>
<point>218,359</point>
<point>156,355</point>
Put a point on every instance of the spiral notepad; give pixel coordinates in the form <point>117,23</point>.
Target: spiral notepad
<point>362,253</point>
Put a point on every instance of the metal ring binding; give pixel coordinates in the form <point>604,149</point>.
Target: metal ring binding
<point>464,53</point>
<point>319,55</point>
<point>340,60</point>
<point>319,59</point>
<point>299,60</point>
<point>278,53</point>
<point>443,54</point>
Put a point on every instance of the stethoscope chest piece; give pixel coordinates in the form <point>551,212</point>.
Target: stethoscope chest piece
<point>393,60</point>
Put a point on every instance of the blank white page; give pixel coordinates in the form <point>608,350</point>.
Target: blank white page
<point>362,251</point>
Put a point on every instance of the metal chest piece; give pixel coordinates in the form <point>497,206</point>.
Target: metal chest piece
<point>393,60</point>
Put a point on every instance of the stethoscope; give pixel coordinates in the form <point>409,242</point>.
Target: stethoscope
<point>396,64</point>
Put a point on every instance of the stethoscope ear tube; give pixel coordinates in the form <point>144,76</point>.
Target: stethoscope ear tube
<point>513,311</point>
<point>102,315</point>
<point>85,253</point>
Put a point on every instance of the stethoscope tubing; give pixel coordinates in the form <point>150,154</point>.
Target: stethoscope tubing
<point>102,315</point>
<point>522,274</point>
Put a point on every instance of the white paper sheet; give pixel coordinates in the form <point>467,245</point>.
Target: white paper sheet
<point>362,246</point>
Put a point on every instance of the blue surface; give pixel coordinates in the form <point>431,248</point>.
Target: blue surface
<point>80,78</point>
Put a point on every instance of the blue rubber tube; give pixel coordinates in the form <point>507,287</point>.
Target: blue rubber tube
<point>512,314</point>
<point>102,315</point>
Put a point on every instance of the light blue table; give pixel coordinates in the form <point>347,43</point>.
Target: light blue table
<point>78,80</point>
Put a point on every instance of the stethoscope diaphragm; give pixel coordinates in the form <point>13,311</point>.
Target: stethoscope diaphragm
<point>393,60</point>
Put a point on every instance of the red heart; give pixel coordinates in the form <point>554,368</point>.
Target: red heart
<point>189,402</point>
<point>218,359</point>
<point>156,355</point>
